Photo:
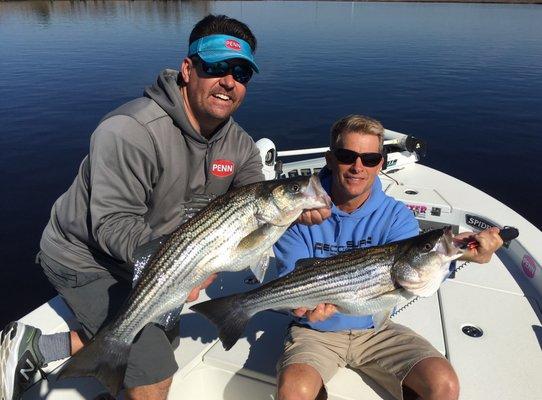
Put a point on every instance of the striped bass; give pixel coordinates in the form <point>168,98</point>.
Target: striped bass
<point>234,231</point>
<point>368,281</point>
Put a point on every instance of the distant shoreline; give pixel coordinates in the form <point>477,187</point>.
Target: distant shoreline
<point>446,1</point>
<point>398,1</point>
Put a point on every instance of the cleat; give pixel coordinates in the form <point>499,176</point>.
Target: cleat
<point>20,360</point>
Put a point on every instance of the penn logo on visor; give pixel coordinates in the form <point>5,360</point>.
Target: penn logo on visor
<point>233,44</point>
<point>222,168</point>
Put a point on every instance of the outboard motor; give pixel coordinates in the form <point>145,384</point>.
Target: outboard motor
<point>268,152</point>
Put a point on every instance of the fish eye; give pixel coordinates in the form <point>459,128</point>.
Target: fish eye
<point>427,247</point>
<point>295,188</point>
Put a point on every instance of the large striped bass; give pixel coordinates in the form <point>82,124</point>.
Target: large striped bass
<point>367,281</point>
<point>234,231</point>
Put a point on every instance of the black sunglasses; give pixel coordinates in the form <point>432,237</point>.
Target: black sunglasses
<point>240,72</point>
<point>345,156</point>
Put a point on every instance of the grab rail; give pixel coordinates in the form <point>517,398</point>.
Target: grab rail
<point>316,150</point>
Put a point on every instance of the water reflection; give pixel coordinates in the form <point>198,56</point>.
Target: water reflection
<point>465,77</point>
<point>164,11</point>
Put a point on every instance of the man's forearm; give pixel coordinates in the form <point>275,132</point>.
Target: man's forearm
<point>121,233</point>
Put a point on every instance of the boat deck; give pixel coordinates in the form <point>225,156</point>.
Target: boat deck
<point>511,327</point>
<point>501,298</point>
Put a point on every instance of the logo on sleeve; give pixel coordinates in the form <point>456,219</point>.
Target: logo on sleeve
<point>233,44</point>
<point>222,168</point>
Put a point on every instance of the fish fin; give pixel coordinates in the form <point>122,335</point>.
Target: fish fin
<point>228,315</point>
<point>254,238</point>
<point>380,318</point>
<point>250,243</point>
<point>104,358</point>
<point>169,319</point>
<point>143,254</point>
<point>260,267</point>
<point>388,302</point>
<point>379,307</point>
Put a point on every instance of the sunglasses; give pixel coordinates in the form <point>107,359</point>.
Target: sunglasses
<point>345,156</point>
<point>240,72</point>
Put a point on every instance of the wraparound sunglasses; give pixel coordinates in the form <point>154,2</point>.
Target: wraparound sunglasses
<point>345,156</point>
<point>240,72</point>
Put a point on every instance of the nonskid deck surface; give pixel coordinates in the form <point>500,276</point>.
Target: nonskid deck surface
<point>500,298</point>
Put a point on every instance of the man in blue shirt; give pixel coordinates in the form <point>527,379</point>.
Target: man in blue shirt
<point>362,216</point>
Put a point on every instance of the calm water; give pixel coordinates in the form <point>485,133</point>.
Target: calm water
<point>465,77</point>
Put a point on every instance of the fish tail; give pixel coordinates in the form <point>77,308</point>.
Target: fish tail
<point>105,358</point>
<point>229,316</point>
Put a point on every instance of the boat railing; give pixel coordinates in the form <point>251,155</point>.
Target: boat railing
<point>300,152</point>
<point>319,150</point>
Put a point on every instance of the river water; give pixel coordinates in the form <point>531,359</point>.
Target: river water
<point>467,78</point>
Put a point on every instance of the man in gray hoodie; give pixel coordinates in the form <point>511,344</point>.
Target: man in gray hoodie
<point>147,161</point>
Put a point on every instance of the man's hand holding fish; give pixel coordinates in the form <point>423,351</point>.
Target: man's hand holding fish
<point>487,242</point>
<point>194,293</point>
<point>320,313</point>
<point>314,217</point>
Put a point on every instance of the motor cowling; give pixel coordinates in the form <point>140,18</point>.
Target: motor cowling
<point>268,153</point>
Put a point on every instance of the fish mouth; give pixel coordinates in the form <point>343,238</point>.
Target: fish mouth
<point>316,192</point>
<point>424,280</point>
<point>446,245</point>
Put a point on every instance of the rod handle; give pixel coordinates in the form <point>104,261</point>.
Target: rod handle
<point>508,233</point>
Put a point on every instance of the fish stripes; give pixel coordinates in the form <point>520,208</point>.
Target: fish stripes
<point>232,232</point>
<point>361,282</point>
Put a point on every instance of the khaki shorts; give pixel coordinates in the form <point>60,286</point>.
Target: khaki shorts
<point>386,356</point>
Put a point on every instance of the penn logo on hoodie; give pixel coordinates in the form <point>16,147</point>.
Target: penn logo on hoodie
<point>222,168</point>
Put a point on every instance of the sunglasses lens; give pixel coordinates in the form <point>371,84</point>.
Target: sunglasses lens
<point>219,68</point>
<point>371,159</point>
<point>241,73</point>
<point>345,156</point>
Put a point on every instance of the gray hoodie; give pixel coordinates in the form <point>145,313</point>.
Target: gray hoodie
<point>145,163</point>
